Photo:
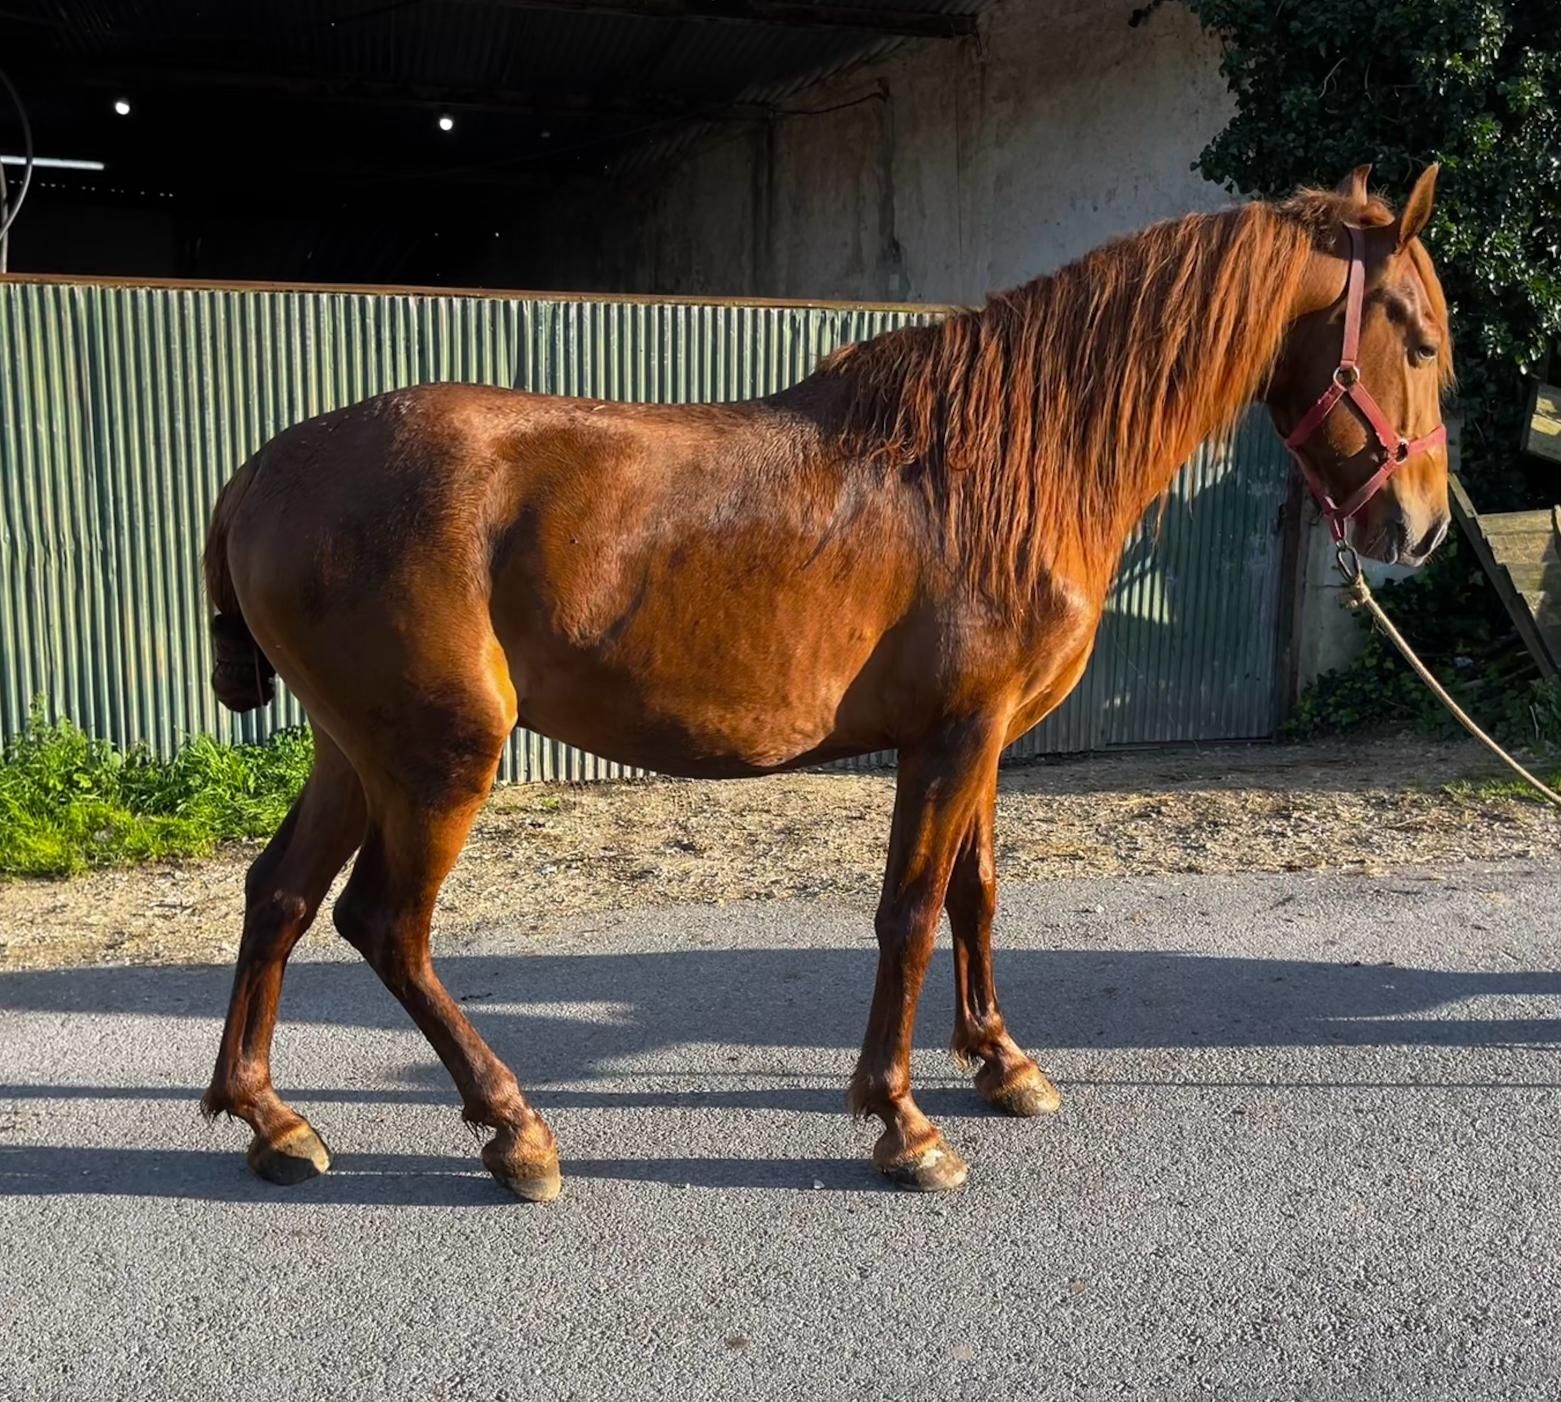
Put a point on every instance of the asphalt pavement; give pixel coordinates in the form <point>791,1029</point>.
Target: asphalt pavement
<point>1310,1148</point>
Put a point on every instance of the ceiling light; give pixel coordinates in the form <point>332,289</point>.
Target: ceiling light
<point>446,122</point>
<point>122,106</point>
<point>52,163</point>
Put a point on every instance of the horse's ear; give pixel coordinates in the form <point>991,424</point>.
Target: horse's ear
<point>1416,213</point>
<point>1353,186</point>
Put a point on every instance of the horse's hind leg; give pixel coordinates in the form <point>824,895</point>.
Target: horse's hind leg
<point>282,892</point>
<point>414,835</point>
<point>1008,1078</point>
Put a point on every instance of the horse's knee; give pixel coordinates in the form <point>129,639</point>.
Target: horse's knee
<point>905,923</point>
<point>260,879</point>
<point>273,919</point>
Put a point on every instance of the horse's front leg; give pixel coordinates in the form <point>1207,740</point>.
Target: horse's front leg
<point>1008,1078</point>
<point>939,789</point>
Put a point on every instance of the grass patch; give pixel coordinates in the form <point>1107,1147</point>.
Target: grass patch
<point>1508,785</point>
<point>69,802</point>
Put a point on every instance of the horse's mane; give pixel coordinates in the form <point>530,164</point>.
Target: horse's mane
<point>1046,421</point>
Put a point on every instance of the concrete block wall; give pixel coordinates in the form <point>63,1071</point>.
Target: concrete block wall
<point>944,172</point>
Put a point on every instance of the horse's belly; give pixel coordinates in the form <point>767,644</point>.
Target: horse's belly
<point>739,650</point>
<point>720,726</point>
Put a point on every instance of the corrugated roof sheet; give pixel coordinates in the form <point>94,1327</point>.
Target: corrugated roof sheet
<point>462,43</point>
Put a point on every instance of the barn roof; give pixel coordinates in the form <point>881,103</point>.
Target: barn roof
<point>342,98</point>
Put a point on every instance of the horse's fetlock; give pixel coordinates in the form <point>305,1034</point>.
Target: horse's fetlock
<point>873,1090</point>
<point>234,1096</point>
<point>979,1038</point>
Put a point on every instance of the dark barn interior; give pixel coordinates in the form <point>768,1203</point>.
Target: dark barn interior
<point>403,142</point>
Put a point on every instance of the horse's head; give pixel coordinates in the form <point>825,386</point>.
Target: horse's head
<point>1364,420</point>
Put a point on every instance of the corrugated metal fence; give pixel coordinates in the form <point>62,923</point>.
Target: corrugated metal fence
<point>123,409</point>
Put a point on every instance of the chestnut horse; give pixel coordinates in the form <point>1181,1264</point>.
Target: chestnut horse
<point>910,549</point>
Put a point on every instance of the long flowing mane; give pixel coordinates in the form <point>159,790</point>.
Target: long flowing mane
<point>1070,400</point>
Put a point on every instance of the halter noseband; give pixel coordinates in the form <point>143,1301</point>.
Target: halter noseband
<point>1392,449</point>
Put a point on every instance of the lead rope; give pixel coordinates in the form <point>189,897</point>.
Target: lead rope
<point>1360,596</point>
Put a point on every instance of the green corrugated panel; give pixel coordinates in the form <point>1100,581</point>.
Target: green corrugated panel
<point>123,410</point>
<point>1188,647</point>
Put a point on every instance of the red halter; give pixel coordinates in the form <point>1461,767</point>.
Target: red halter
<point>1393,450</point>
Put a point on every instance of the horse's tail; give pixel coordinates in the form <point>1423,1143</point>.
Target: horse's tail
<point>242,676</point>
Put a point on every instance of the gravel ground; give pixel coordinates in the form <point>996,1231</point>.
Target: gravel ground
<point>543,854</point>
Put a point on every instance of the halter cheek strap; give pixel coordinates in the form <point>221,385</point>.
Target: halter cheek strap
<point>1392,449</point>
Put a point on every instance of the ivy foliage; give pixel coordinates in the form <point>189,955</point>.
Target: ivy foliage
<point>1323,86</point>
<point>1459,626</point>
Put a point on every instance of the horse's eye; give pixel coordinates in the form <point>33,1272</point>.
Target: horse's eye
<point>1423,354</point>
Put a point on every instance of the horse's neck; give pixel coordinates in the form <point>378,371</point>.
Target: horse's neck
<point>1162,470</point>
<point>1199,417</point>
<point>1198,414</point>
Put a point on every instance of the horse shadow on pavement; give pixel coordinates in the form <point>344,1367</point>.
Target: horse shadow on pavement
<point>613,1031</point>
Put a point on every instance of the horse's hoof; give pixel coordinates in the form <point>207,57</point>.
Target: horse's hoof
<point>935,1169</point>
<point>1027,1094</point>
<point>531,1180</point>
<point>296,1157</point>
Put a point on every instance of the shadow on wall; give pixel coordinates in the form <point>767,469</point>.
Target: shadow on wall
<point>1188,647</point>
<point>559,1019</point>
